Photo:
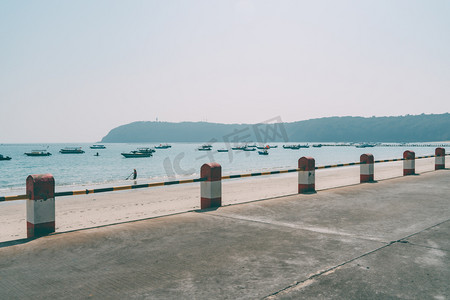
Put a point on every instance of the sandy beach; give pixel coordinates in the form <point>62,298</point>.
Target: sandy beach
<point>88,211</point>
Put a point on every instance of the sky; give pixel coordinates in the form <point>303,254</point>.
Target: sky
<point>70,71</point>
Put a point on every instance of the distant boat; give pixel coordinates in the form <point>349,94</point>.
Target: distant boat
<point>71,150</point>
<point>251,146</point>
<point>263,152</point>
<point>4,157</point>
<point>238,148</point>
<point>249,149</point>
<point>317,145</point>
<point>98,146</point>
<point>264,147</point>
<point>161,146</point>
<point>364,145</point>
<point>205,147</point>
<point>38,153</point>
<point>135,154</point>
<point>222,150</point>
<point>295,147</point>
<point>145,150</point>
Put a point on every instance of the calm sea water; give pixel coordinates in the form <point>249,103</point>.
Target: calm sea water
<point>183,160</point>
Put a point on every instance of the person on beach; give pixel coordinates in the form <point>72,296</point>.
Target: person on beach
<point>134,174</point>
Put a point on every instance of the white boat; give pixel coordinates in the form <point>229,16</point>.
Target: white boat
<point>71,150</point>
<point>98,146</point>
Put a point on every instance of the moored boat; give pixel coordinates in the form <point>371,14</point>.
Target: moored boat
<point>38,153</point>
<point>4,157</point>
<point>146,150</point>
<point>136,154</point>
<point>163,146</point>
<point>222,150</point>
<point>263,152</point>
<point>263,147</point>
<point>71,150</point>
<point>98,146</point>
<point>205,147</point>
<point>364,145</point>
<point>238,148</point>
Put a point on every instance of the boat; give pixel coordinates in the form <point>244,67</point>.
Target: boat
<point>222,150</point>
<point>263,152</point>
<point>4,157</point>
<point>317,145</point>
<point>205,147</point>
<point>249,149</point>
<point>71,150</point>
<point>364,145</point>
<point>263,147</point>
<point>251,146</point>
<point>292,147</point>
<point>238,148</point>
<point>161,146</point>
<point>135,154</point>
<point>38,153</point>
<point>273,146</point>
<point>98,146</point>
<point>146,150</point>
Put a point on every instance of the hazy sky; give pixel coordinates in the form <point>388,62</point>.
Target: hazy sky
<point>72,70</point>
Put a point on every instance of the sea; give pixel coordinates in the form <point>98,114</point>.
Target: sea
<point>181,161</point>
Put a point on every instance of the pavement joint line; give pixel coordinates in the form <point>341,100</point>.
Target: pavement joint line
<point>323,272</point>
<point>428,247</point>
<point>413,234</point>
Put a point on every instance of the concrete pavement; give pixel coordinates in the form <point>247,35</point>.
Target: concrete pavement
<point>385,240</point>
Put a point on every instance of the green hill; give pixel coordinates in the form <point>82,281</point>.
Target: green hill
<point>409,128</point>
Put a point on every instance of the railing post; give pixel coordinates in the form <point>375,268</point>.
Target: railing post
<point>40,205</point>
<point>306,175</point>
<point>409,166</point>
<point>366,168</point>
<point>211,189</point>
<point>440,159</point>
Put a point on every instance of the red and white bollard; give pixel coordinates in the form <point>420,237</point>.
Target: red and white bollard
<point>409,165</point>
<point>40,205</point>
<point>211,189</point>
<point>440,159</point>
<point>306,175</point>
<point>366,168</point>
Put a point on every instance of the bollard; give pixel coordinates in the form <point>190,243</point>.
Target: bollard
<point>40,205</point>
<point>306,175</point>
<point>409,166</point>
<point>211,189</point>
<point>440,159</point>
<point>366,168</point>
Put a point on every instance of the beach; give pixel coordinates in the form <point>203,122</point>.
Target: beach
<point>94,210</point>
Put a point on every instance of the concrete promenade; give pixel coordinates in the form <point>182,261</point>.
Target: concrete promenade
<point>384,240</point>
